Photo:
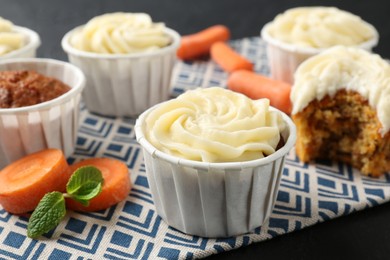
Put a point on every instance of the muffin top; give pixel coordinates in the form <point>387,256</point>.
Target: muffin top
<point>347,68</point>
<point>320,27</point>
<point>27,88</point>
<point>214,125</point>
<point>120,33</point>
<point>9,39</point>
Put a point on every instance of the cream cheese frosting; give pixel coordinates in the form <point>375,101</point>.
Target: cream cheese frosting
<point>121,33</point>
<point>214,125</point>
<point>344,68</point>
<point>9,39</point>
<point>320,27</point>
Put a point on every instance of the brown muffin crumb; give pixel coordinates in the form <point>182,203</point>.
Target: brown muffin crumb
<point>27,88</point>
<point>345,128</point>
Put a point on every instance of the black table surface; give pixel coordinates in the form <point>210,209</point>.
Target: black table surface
<point>361,235</point>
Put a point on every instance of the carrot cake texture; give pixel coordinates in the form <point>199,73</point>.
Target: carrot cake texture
<point>341,108</point>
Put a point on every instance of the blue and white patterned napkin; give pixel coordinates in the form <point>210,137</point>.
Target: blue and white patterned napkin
<point>309,193</point>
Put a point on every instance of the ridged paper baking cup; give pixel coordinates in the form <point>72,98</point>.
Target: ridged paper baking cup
<point>125,84</point>
<point>213,199</point>
<point>29,49</point>
<point>284,58</point>
<point>51,124</point>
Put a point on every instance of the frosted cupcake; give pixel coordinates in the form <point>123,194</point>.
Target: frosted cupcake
<point>214,159</point>
<point>302,32</point>
<point>341,107</point>
<point>16,41</point>
<point>127,59</point>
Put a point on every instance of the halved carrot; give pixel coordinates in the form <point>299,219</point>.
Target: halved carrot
<point>198,44</point>
<point>116,184</point>
<point>24,182</point>
<point>229,59</point>
<point>257,86</point>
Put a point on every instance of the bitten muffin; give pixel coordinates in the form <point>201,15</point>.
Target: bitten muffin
<point>341,108</point>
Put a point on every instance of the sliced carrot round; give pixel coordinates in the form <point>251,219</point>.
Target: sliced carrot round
<point>24,182</point>
<point>116,186</point>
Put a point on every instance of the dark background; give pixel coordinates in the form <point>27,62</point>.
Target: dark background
<point>362,235</point>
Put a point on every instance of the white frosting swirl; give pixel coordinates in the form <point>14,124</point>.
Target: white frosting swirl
<point>119,33</point>
<point>344,68</point>
<point>9,39</point>
<point>320,27</point>
<point>214,125</point>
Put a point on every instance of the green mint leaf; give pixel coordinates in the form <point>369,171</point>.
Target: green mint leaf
<point>47,215</point>
<point>85,184</point>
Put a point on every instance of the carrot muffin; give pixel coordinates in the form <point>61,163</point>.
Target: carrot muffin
<point>127,59</point>
<point>16,41</point>
<point>302,32</point>
<point>212,160</point>
<point>320,27</point>
<point>10,40</point>
<point>215,125</point>
<point>341,108</point>
<point>121,33</point>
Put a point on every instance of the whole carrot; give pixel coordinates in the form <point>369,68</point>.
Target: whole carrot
<point>229,59</point>
<point>198,44</point>
<point>257,86</point>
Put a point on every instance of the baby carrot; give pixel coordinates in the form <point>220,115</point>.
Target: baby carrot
<point>198,44</point>
<point>24,182</point>
<point>116,184</point>
<point>228,59</point>
<point>257,86</point>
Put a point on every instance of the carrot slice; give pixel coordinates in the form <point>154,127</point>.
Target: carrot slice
<point>228,59</point>
<point>257,86</point>
<point>116,184</point>
<point>24,182</point>
<point>198,44</point>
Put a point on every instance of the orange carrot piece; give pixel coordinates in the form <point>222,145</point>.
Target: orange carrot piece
<point>24,182</point>
<point>229,59</point>
<point>257,86</point>
<point>116,184</point>
<point>198,44</point>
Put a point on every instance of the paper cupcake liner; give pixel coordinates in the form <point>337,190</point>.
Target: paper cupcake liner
<point>29,50</point>
<point>285,58</point>
<point>52,124</point>
<point>128,84</point>
<point>213,199</point>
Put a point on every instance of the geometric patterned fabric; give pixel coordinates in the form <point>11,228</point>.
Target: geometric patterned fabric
<point>308,194</point>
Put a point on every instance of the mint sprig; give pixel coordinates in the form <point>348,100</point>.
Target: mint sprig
<point>47,215</point>
<point>84,184</point>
